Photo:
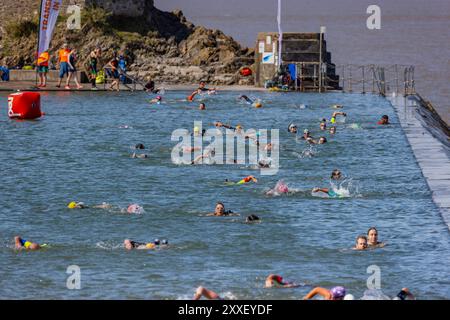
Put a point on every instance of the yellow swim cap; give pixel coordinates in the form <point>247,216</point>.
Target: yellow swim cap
<point>150,245</point>
<point>258,105</point>
<point>196,129</point>
<point>72,205</point>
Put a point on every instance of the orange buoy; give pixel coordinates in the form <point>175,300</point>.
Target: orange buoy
<point>24,105</point>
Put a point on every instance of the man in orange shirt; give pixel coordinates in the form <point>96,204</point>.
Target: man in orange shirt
<point>63,56</point>
<point>42,68</point>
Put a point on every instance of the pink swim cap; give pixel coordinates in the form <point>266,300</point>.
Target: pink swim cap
<point>134,208</point>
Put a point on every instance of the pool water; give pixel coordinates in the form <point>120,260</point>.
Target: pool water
<point>81,151</point>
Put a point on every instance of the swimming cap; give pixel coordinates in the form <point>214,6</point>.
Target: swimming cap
<point>72,205</point>
<point>278,279</point>
<point>283,188</point>
<point>196,129</point>
<point>258,105</point>
<point>349,297</point>
<point>164,241</point>
<point>135,208</point>
<point>338,292</point>
<point>238,126</point>
<point>159,97</point>
<point>291,126</point>
<point>306,131</point>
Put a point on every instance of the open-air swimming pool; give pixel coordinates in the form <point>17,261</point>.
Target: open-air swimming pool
<point>80,151</point>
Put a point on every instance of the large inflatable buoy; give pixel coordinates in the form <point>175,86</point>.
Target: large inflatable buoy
<point>24,105</point>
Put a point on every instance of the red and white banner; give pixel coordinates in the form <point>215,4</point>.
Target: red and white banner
<point>49,15</point>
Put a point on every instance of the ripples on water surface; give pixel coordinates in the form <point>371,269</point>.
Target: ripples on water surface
<point>81,151</point>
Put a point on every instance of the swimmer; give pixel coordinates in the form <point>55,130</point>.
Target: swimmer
<point>263,164</point>
<point>252,219</point>
<point>208,294</point>
<point>140,156</point>
<point>237,129</point>
<point>279,188</point>
<point>333,130</point>
<point>202,88</point>
<point>361,243</point>
<point>384,120</point>
<point>157,100</point>
<point>336,175</point>
<point>247,180</point>
<point>336,293</point>
<point>247,99</point>
<point>292,128</point>
<point>274,280</point>
<point>322,140</point>
<point>135,209</point>
<point>335,114</point>
<point>405,294</point>
<point>77,205</point>
<point>323,125</point>
<point>219,211</point>
<point>24,244</point>
<point>202,106</point>
<point>206,154</point>
<point>139,146</point>
<point>337,106</point>
<point>372,238</point>
<point>306,134</point>
<point>330,192</point>
<point>130,245</point>
<point>268,147</point>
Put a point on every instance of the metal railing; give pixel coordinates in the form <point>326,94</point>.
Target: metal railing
<point>381,79</point>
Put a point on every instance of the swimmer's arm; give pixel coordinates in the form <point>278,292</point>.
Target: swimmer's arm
<point>317,291</point>
<point>325,190</point>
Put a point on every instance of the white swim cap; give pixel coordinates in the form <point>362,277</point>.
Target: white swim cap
<point>349,297</point>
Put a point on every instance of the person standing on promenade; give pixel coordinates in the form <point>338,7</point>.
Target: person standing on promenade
<point>63,58</point>
<point>42,68</point>
<point>72,69</point>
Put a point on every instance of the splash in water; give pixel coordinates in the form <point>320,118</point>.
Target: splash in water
<point>355,126</point>
<point>280,188</point>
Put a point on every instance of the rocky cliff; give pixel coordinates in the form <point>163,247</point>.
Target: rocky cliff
<point>163,45</point>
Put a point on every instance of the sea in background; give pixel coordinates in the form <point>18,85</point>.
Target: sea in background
<point>413,32</point>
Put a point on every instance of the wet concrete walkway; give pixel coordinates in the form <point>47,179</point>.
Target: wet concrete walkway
<point>432,155</point>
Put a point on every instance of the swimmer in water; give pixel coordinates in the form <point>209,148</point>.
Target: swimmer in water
<point>306,134</point>
<point>372,239</point>
<point>322,140</point>
<point>336,175</point>
<point>139,146</point>
<point>247,180</point>
<point>22,244</point>
<point>384,120</point>
<point>140,156</point>
<point>280,188</point>
<point>157,100</point>
<point>361,243</point>
<point>274,280</point>
<point>333,130</point>
<point>336,293</point>
<point>219,211</point>
<point>202,88</point>
<point>263,164</point>
<point>405,294</point>
<point>131,245</point>
<point>323,125</point>
<point>208,294</point>
<point>330,192</point>
<point>77,205</point>
<point>202,106</point>
<point>335,114</point>
<point>337,106</point>
<point>135,209</point>
<point>292,128</point>
<point>247,99</point>
<point>252,219</point>
<point>81,205</point>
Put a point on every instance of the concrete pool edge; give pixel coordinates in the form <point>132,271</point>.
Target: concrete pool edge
<point>431,154</point>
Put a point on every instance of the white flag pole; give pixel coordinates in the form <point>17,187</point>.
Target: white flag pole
<point>280,34</point>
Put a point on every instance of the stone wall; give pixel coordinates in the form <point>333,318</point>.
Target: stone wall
<point>128,8</point>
